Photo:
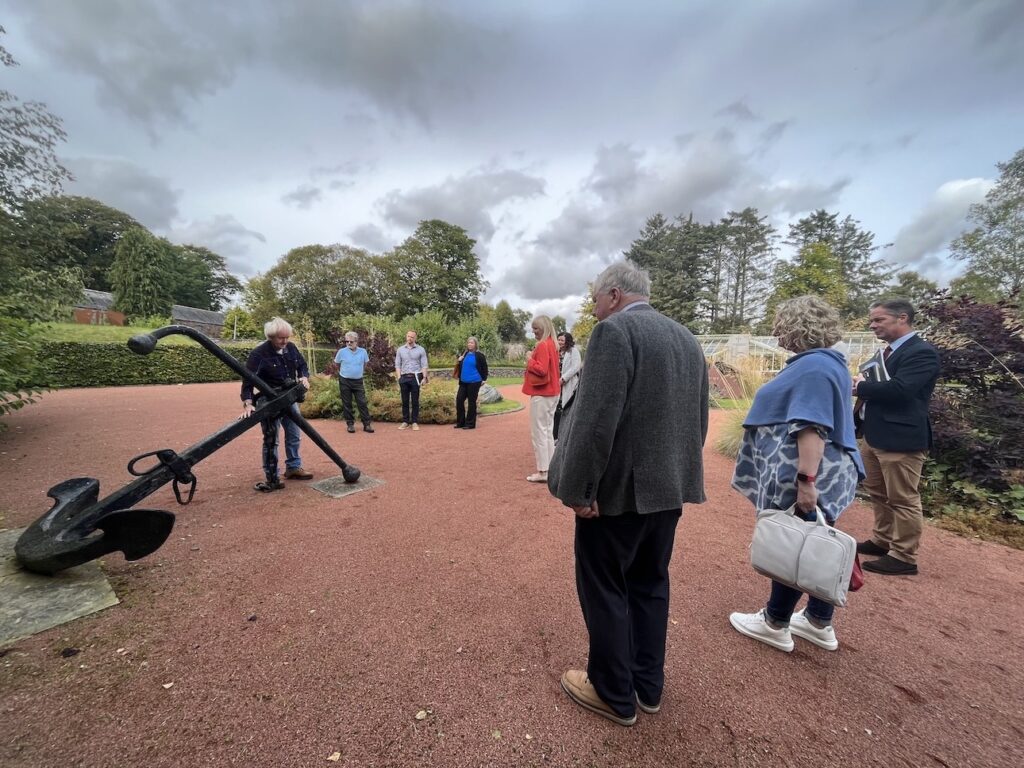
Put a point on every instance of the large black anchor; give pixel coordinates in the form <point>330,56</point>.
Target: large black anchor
<point>79,527</point>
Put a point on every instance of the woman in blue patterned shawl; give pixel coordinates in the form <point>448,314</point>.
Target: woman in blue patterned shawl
<point>799,449</point>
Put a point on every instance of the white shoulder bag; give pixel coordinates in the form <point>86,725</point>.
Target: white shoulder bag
<point>807,555</point>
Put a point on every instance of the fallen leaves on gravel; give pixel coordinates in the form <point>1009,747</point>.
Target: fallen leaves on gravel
<point>168,685</point>
<point>421,715</point>
<point>496,733</point>
<point>334,757</point>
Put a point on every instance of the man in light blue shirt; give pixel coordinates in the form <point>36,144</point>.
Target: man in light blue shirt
<point>351,360</point>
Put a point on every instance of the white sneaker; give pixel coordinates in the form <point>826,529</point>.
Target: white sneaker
<point>823,638</point>
<point>756,626</point>
<point>404,426</point>
<point>415,427</point>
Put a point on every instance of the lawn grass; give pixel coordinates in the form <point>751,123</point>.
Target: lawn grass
<point>502,406</point>
<point>501,381</point>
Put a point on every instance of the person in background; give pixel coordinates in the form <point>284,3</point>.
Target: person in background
<point>411,371</point>
<point>352,360</point>
<point>540,383</point>
<point>569,365</point>
<point>897,436</point>
<point>799,449</point>
<point>471,373</point>
<point>277,361</point>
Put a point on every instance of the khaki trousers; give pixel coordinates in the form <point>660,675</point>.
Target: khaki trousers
<point>893,480</point>
<point>542,421</point>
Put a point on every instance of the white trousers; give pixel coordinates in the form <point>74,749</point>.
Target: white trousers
<point>542,422</point>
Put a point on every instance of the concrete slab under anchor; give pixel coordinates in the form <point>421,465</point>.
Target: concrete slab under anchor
<point>31,603</point>
<point>336,487</point>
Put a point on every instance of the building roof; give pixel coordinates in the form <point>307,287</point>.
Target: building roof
<point>180,313</point>
<point>104,300</point>
<point>96,300</point>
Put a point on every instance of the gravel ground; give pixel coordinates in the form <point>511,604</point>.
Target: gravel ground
<point>427,621</point>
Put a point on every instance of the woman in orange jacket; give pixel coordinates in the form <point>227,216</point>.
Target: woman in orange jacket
<point>541,382</point>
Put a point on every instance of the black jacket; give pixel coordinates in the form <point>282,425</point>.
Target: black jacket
<point>896,416</point>
<point>481,366</point>
<point>273,368</point>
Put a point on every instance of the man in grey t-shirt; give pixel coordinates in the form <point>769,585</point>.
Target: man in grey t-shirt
<point>411,370</point>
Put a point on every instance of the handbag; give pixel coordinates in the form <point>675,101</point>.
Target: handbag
<point>807,555</point>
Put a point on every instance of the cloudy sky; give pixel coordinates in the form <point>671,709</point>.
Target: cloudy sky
<point>549,130</point>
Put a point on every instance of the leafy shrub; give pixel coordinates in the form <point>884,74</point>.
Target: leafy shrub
<point>78,364</point>
<point>437,401</point>
<point>730,432</point>
<point>978,452</point>
<point>150,321</point>
<point>18,363</point>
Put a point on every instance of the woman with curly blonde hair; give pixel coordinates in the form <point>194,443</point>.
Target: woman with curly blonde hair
<point>799,450</point>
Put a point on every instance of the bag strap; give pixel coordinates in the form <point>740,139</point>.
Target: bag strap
<point>822,520</point>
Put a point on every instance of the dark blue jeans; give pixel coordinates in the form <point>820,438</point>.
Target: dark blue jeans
<point>291,443</point>
<point>622,581</point>
<point>783,599</point>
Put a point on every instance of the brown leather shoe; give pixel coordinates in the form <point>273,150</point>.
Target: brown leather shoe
<point>576,683</point>
<point>298,474</point>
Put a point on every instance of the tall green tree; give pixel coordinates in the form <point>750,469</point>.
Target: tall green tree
<point>29,137</point>
<point>994,249</point>
<point>200,277</point>
<point>815,270</point>
<point>748,258</point>
<point>323,282</point>
<point>70,232</point>
<point>679,257</point>
<point>866,276</point>
<point>911,286</point>
<point>585,320</point>
<point>511,324</point>
<point>139,275</point>
<point>437,269</point>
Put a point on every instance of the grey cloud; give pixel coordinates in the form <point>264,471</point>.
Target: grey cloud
<point>738,110</point>
<point>152,61</point>
<point>617,172</point>
<point>223,234</point>
<point>464,200</point>
<point>347,168</point>
<point>371,237</point>
<point>942,219</point>
<point>123,185</point>
<point>303,197</point>
<point>156,59</point>
<point>790,199</point>
<point>774,132</point>
<point>708,175</point>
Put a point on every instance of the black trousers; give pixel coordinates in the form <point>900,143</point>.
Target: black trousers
<point>467,391</point>
<point>410,389</point>
<point>622,582</point>
<point>355,387</point>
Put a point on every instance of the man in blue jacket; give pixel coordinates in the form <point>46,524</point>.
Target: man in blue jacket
<point>277,361</point>
<point>893,416</point>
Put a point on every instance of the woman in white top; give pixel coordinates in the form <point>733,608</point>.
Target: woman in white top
<point>570,363</point>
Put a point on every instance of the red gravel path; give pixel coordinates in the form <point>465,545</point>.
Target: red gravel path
<point>294,626</point>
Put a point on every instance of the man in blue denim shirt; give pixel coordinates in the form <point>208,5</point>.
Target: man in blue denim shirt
<point>351,360</point>
<point>276,361</point>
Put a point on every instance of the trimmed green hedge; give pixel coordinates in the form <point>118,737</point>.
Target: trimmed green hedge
<point>82,364</point>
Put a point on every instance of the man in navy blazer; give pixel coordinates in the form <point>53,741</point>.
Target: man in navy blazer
<point>629,456</point>
<point>893,418</point>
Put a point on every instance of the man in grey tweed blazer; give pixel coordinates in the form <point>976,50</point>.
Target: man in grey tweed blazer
<point>628,458</point>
